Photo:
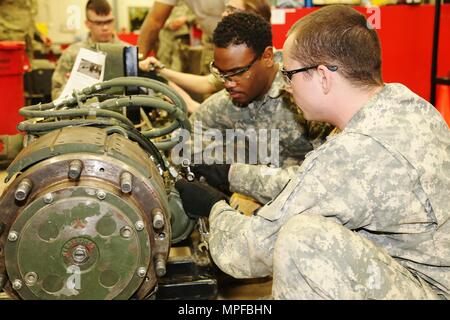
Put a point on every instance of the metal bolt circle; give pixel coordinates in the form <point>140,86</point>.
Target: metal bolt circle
<point>31,278</point>
<point>160,268</point>
<point>17,284</point>
<point>80,254</point>
<point>13,236</point>
<point>158,220</point>
<point>48,198</point>
<point>141,272</point>
<point>101,195</point>
<point>139,225</point>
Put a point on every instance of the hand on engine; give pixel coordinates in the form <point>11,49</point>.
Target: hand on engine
<point>216,175</point>
<point>198,198</point>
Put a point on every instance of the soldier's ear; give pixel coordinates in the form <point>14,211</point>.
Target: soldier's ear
<point>267,57</point>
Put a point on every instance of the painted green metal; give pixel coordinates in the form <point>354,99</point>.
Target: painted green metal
<point>80,140</point>
<point>182,225</point>
<point>106,263</point>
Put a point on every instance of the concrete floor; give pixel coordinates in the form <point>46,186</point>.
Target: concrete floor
<point>229,288</point>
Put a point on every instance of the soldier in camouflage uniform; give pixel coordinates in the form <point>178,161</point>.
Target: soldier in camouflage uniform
<point>175,34</point>
<point>207,13</point>
<point>17,22</point>
<point>100,22</point>
<point>367,214</point>
<point>254,96</point>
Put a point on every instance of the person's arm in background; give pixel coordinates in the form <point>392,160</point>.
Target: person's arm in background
<point>153,23</point>
<point>191,82</point>
<point>192,105</point>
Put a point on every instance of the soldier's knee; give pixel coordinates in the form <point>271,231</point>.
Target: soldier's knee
<point>301,226</point>
<point>305,235</point>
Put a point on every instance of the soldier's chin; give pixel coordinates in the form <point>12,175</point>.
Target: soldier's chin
<point>106,38</point>
<point>239,98</point>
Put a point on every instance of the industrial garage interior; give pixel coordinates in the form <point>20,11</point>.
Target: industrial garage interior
<point>224,150</point>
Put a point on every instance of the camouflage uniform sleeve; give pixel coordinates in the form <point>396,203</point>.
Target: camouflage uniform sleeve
<point>261,182</point>
<point>330,183</point>
<point>235,255</point>
<point>210,116</point>
<point>63,68</point>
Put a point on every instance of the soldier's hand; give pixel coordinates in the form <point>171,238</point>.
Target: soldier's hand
<point>198,198</point>
<point>150,64</point>
<point>216,175</point>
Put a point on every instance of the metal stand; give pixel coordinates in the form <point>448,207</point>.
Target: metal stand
<point>435,80</point>
<point>189,276</point>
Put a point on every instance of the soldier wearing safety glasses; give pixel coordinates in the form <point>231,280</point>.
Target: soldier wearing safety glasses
<point>255,97</point>
<point>100,22</point>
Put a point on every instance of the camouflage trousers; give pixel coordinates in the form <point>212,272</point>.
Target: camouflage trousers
<point>317,258</point>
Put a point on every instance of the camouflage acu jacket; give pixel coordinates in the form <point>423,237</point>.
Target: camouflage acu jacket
<point>67,60</point>
<point>386,176</point>
<point>274,112</point>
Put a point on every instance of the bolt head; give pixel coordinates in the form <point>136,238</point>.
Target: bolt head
<point>13,236</point>
<point>80,254</point>
<point>141,272</point>
<point>48,198</point>
<point>139,225</point>
<point>101,195</point>
<point>17,284</point>
<point>160,268</point>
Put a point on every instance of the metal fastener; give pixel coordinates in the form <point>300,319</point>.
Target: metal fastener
<point>17,284</point>
<point>141,272</point>
<point>23,190</point>
<point>75,168</point>
<point>139,225</point>
<point>158,219</point>
<point>80,254</point>
<point>160,267</point>
<point>126,182</point>
<point>101,195</point>
<point>161,236</point>
<point>13,236</point>
<point>48,198</point>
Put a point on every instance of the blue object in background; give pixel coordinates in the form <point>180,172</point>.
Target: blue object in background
<point>308,3</point>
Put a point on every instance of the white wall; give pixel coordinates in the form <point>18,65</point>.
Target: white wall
<point>65,18</point>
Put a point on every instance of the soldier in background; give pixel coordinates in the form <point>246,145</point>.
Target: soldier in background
<point>367,215</point>
<point>207,13</point>
<point>100,22</point>
<point>174,36</point>
<point>17,23</point>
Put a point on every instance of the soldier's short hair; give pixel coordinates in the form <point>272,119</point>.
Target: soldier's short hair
<point>100,7</point>
<point>339,35</point>
<point>244,28</point>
